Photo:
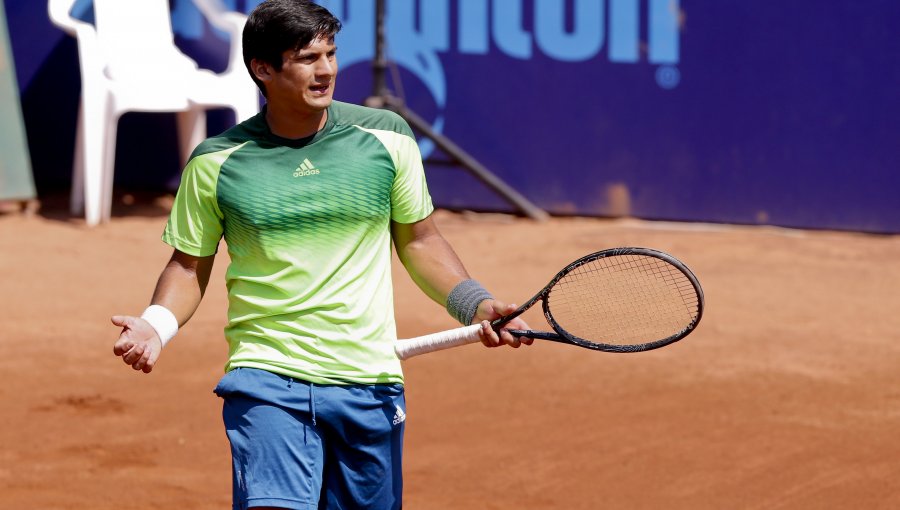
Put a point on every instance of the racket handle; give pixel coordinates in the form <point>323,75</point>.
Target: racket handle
<point>437,341</point>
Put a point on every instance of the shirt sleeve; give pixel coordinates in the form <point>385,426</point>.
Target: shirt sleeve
<point>410,199</point>
<point>195,223</point>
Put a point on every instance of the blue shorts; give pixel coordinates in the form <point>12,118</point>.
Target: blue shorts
<point>306,446</point>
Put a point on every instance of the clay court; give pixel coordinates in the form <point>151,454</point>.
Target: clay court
<point>786,397</point>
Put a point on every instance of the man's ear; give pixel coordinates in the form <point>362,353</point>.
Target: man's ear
<point>262,70</point>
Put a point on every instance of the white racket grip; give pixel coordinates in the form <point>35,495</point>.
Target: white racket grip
<point>437,341</point>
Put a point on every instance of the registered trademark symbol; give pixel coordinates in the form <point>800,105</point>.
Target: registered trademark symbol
<point>668,77</point>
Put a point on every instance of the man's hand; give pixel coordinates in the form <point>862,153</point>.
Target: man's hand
<point>491,309</point>
<point>138,344</point>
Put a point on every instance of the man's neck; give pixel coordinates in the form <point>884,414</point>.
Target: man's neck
<point>294,126</point>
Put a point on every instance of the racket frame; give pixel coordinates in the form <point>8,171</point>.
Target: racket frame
<point>471,334</point>
<point>559,333</point>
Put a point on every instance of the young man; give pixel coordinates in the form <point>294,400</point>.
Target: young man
<point>308,195</point>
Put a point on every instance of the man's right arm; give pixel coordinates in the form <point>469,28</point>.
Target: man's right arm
<point>179,289</point>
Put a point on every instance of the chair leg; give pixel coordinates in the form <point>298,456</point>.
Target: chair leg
<point>246,109</point>
<point>191,131</point>
<point>109,164</point>
<point>76,196</point>
<point>95,127</point>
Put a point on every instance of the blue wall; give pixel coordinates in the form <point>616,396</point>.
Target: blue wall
<point>737,111</point>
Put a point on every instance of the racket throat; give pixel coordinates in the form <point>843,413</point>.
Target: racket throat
<point>539,335</point>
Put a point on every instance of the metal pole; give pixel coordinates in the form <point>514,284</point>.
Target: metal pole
<point>379,64</point>
<point>383,98</point>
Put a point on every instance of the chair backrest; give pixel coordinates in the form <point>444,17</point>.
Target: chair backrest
<point>58,10</point>
<point>133,23</point>
<point>136,34</point>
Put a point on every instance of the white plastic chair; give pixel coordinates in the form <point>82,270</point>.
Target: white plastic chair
<point>129,63</point>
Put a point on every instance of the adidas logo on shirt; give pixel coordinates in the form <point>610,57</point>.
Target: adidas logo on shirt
<point>399,417</point>
<point>306,168</point>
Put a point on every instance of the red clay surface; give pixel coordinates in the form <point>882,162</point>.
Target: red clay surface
<point>787,396</point>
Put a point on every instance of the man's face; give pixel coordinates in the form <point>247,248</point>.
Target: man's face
<point>306,80</point>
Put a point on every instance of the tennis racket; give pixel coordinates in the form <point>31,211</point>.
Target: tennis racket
<point>617,300</point>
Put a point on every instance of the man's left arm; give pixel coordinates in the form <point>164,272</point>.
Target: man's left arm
<point>435,267</point>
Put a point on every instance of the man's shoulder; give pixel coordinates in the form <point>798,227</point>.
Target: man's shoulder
<point>349,114</point>
<point>228,139</point>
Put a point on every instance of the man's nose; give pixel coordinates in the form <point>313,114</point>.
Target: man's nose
<point>325,66</point>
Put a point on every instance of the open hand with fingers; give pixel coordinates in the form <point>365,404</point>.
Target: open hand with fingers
<point>139,345</point>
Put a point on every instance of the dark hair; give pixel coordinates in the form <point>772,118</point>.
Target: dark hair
<point>276,26</point>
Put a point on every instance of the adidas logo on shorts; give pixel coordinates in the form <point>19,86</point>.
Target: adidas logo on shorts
<point>399,417</point>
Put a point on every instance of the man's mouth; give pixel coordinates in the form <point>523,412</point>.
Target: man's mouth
<point>320,89</point>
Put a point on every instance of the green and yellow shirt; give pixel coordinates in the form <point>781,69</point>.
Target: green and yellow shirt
<point>307,226</point>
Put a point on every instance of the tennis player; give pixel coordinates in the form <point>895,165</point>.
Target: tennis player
<point>309,195</point>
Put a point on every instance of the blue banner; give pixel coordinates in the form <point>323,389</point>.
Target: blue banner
<point>736,111</point>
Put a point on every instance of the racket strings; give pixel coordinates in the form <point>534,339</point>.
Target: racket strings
<point>624,300</point>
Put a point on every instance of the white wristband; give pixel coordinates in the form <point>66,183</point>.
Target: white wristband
<point>163,322</point>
